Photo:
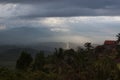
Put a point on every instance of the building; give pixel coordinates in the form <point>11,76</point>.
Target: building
<point>110,44</point>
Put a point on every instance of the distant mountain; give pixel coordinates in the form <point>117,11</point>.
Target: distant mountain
<point>10,53</point>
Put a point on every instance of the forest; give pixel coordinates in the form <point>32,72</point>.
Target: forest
<point>90,63</point>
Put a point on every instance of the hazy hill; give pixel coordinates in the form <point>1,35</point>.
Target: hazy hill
<point>10,53</point>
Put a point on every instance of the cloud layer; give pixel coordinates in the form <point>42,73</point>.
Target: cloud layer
<point>60,29</point>
<point>58,20</point>
<point>59,8</point>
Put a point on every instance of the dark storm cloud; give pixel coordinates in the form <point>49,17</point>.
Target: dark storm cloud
<point>66,8</point>
<point>84,3</point>
<point>33,14</point>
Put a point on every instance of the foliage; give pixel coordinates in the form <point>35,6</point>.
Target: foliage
<point>118,37</point>
<point>82,64</point>
<point>24,61</point>
<point>39,61</point>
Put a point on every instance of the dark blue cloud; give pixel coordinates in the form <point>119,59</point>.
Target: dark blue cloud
<point>67,8</point>
<point>18,13</point>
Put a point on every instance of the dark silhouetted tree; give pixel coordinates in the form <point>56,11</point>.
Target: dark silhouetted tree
<point>39,61</point>
<point>24,61</point>
<point>58,60</point>
<point>118,37</point>
<point>88,45</point>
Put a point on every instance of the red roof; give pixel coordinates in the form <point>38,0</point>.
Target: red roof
<point>110,42</point>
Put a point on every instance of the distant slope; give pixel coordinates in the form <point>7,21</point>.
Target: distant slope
<point>10,53</point>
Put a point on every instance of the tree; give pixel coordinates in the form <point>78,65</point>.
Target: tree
<point>58,60</point>
<point>88,45</point>
<point>39,61</point>
<point>24,61</point>
<point>118,37</point>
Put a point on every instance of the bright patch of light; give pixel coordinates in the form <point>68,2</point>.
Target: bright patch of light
<point>13,10</point>
<point>2,27</point>
<point>53,22</point>
<point>59,30</point>
<point>7,9</point>
<point>88,19</point>
<point>73,38</point>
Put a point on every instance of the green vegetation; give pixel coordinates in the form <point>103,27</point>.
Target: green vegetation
<point>83,64</point>
<point>24,61</point>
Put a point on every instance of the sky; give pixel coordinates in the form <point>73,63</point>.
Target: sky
<point>78,21</point>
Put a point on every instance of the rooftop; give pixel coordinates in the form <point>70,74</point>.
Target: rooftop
<point>110,42</point>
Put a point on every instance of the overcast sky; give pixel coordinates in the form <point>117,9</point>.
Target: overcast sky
<point>80,21</point>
